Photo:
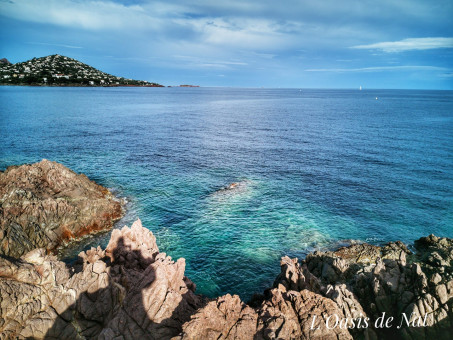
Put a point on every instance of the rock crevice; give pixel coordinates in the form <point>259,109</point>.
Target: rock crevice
<point>132,291</point>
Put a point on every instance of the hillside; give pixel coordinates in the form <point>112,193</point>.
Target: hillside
<point>58,70</point>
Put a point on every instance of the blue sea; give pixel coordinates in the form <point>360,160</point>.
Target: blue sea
<point>315,168</point>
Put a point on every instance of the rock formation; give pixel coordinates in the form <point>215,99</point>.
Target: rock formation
<point>131,291</point>
<point>281,314</point>
<point>127,291</point>
<point>45,205</point>
<point>366,281</point>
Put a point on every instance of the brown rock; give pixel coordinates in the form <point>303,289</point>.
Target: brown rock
<point>45,205</point>
<point>225,318</point>
<point>300,315</point>
<point>282,315</point>
<point>132,291</point>
<point>145,297</point>
<point>369,280</point>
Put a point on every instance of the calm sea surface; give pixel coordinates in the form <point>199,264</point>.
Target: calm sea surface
<point>315,167</point>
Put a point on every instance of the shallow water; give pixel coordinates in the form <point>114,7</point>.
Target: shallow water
<point>315,167</point>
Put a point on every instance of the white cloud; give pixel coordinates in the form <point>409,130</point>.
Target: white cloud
<point>205,62</point>
<point>48,44</point>
<point>156,21</point>
<point>93,15</point>
<point>380,68</point>
<point>252,25</point>
<point>409,45</point>
<point>243,33</point>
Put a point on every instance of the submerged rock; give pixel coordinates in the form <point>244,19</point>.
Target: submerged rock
<point>235,186</point>
<point>45,205</point>
<point>132,291</point>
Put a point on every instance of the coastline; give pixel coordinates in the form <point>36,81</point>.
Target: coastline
<point>360,291</point>
<point>139,292</point>
<point>46,205</point>
<point>80,85</point>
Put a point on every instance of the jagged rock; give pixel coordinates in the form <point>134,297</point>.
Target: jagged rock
<point>299,315</point>
<point>132,291</point>
<point>366,280</point>
<point>225,318</point>
<point>282,315</point>
<point>45,205</point>
<point>129,291</point>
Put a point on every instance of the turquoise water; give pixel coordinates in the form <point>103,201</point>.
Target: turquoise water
<point>315,167</point>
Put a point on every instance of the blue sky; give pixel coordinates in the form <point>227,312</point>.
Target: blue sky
<point>302,44</point>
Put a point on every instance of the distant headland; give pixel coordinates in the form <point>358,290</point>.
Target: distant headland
<point>58,70</point>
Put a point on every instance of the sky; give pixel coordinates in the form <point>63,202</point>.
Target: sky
<point>397,44</point>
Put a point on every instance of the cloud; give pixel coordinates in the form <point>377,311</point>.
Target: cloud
<point>203,62</point>
<point>243,33</point>
<point>250,40</point>
<point>92,15</point>
<point>409,45</point>
<point>160,21</point>
<point>48,44</point>
<point>380,69</point>
<point>255,25</point>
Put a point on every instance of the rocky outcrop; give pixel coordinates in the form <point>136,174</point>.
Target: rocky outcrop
<point>127,291</point>
<point>132,291</point>
<point>376,283</point>
<point>361,292</point>
<point>46,205</point>
<point>281,315</point>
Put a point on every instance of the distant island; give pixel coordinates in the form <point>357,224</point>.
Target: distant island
<point>58,70</point>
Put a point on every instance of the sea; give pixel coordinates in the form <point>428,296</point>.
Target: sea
<point>232,179</point>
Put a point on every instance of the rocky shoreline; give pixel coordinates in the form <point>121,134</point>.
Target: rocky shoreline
<point>46,205</point>
<point>132,291</point>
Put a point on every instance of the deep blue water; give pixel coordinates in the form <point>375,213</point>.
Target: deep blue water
<point>316,167</point>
